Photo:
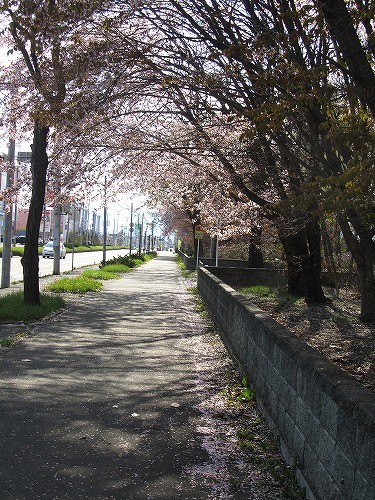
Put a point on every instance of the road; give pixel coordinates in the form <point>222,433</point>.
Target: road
<point>46,265</point>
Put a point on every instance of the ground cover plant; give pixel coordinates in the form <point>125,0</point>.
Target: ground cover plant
<point>186,273</point>
<point>78,284</point>
<point>116,268</point>
<point>100,274</point>
<point>13,308</point>
<point>18,251</point>
<point>130,261</point>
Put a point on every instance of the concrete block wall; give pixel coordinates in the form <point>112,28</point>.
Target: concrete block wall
<point>250,276</point>
<point>190,262</point>
<point>324,417</point>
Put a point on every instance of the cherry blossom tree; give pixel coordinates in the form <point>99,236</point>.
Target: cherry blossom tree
<point>273,67</point>
<point>65,68</point>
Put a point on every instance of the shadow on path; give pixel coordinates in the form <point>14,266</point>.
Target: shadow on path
<point>99,402</point>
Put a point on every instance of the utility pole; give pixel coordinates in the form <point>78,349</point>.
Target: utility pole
<point>56,239</point>
<point>105,223</point>
<point>7,238</point>
<point>140,228</point>
<point>131,228</point>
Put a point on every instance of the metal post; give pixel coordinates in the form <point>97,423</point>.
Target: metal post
<point>140,235</point>
<point>87,225</point>
<point>196,267</point>
<point>56,239</point>
<point>217,243</point>
<point>152,236</point>
<point>7,238</point>
<point>131,228</point>
<point>74,234</point>
<point>105,222</point>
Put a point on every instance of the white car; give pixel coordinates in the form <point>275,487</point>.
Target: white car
<point>48,250</point>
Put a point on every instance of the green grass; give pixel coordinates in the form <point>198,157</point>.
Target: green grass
<point>100,274</point>
<point>116,268</point>
<point>16,251</point>
<point>275,295</point>
<point>199,304</point>
<point>130,261</point>
<point>13,308</point>
<point>78,284</point>
<point>94,248</point>
<point>7,341</point>
<point>186,273</point>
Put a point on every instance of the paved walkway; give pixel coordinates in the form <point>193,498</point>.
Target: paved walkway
<point>98,403</point>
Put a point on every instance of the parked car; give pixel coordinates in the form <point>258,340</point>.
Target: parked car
<point>21,239</point>
<point>49,252</point>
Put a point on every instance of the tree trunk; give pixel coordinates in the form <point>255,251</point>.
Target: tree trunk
<point>255,258</point>
<point>343,32</point>
<point>365,270</point>
<point>30,259</point>
<point>303,254</point>
<point>367,284</point>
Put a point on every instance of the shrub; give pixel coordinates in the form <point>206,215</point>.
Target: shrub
<point>125,260</point>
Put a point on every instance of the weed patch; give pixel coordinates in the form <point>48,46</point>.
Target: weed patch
<point>116,268</point>
<point>13,308</point>
<point>201,308</point>
<point>78,284</point>
<point>186,273</point>
<point>7,342</point>
<point>275,294</point>
<point>101,274</point>
<point>130,261</point>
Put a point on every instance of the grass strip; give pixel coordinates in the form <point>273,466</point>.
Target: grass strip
<point>13,308</point>
<point>100,274</point>
<point>78,284</point>
<point>116,268</point>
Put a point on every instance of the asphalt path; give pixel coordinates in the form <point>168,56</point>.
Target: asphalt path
<point>80,259</point>
<point>100,402</point>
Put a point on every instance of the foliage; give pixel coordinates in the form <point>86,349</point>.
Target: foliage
<point>199,304</point>
<point>247,393</point>
<point>78,284</point>
<point>130,261</point>
<point>18,251</point>
<point>231,118</point>
<point>13,308</point>
<point>7,341</point>
<point>264,454</point>
<point>278,296</point>
<point>256,440</point>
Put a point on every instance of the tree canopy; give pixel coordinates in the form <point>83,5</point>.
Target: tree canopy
<point>253,113</point>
